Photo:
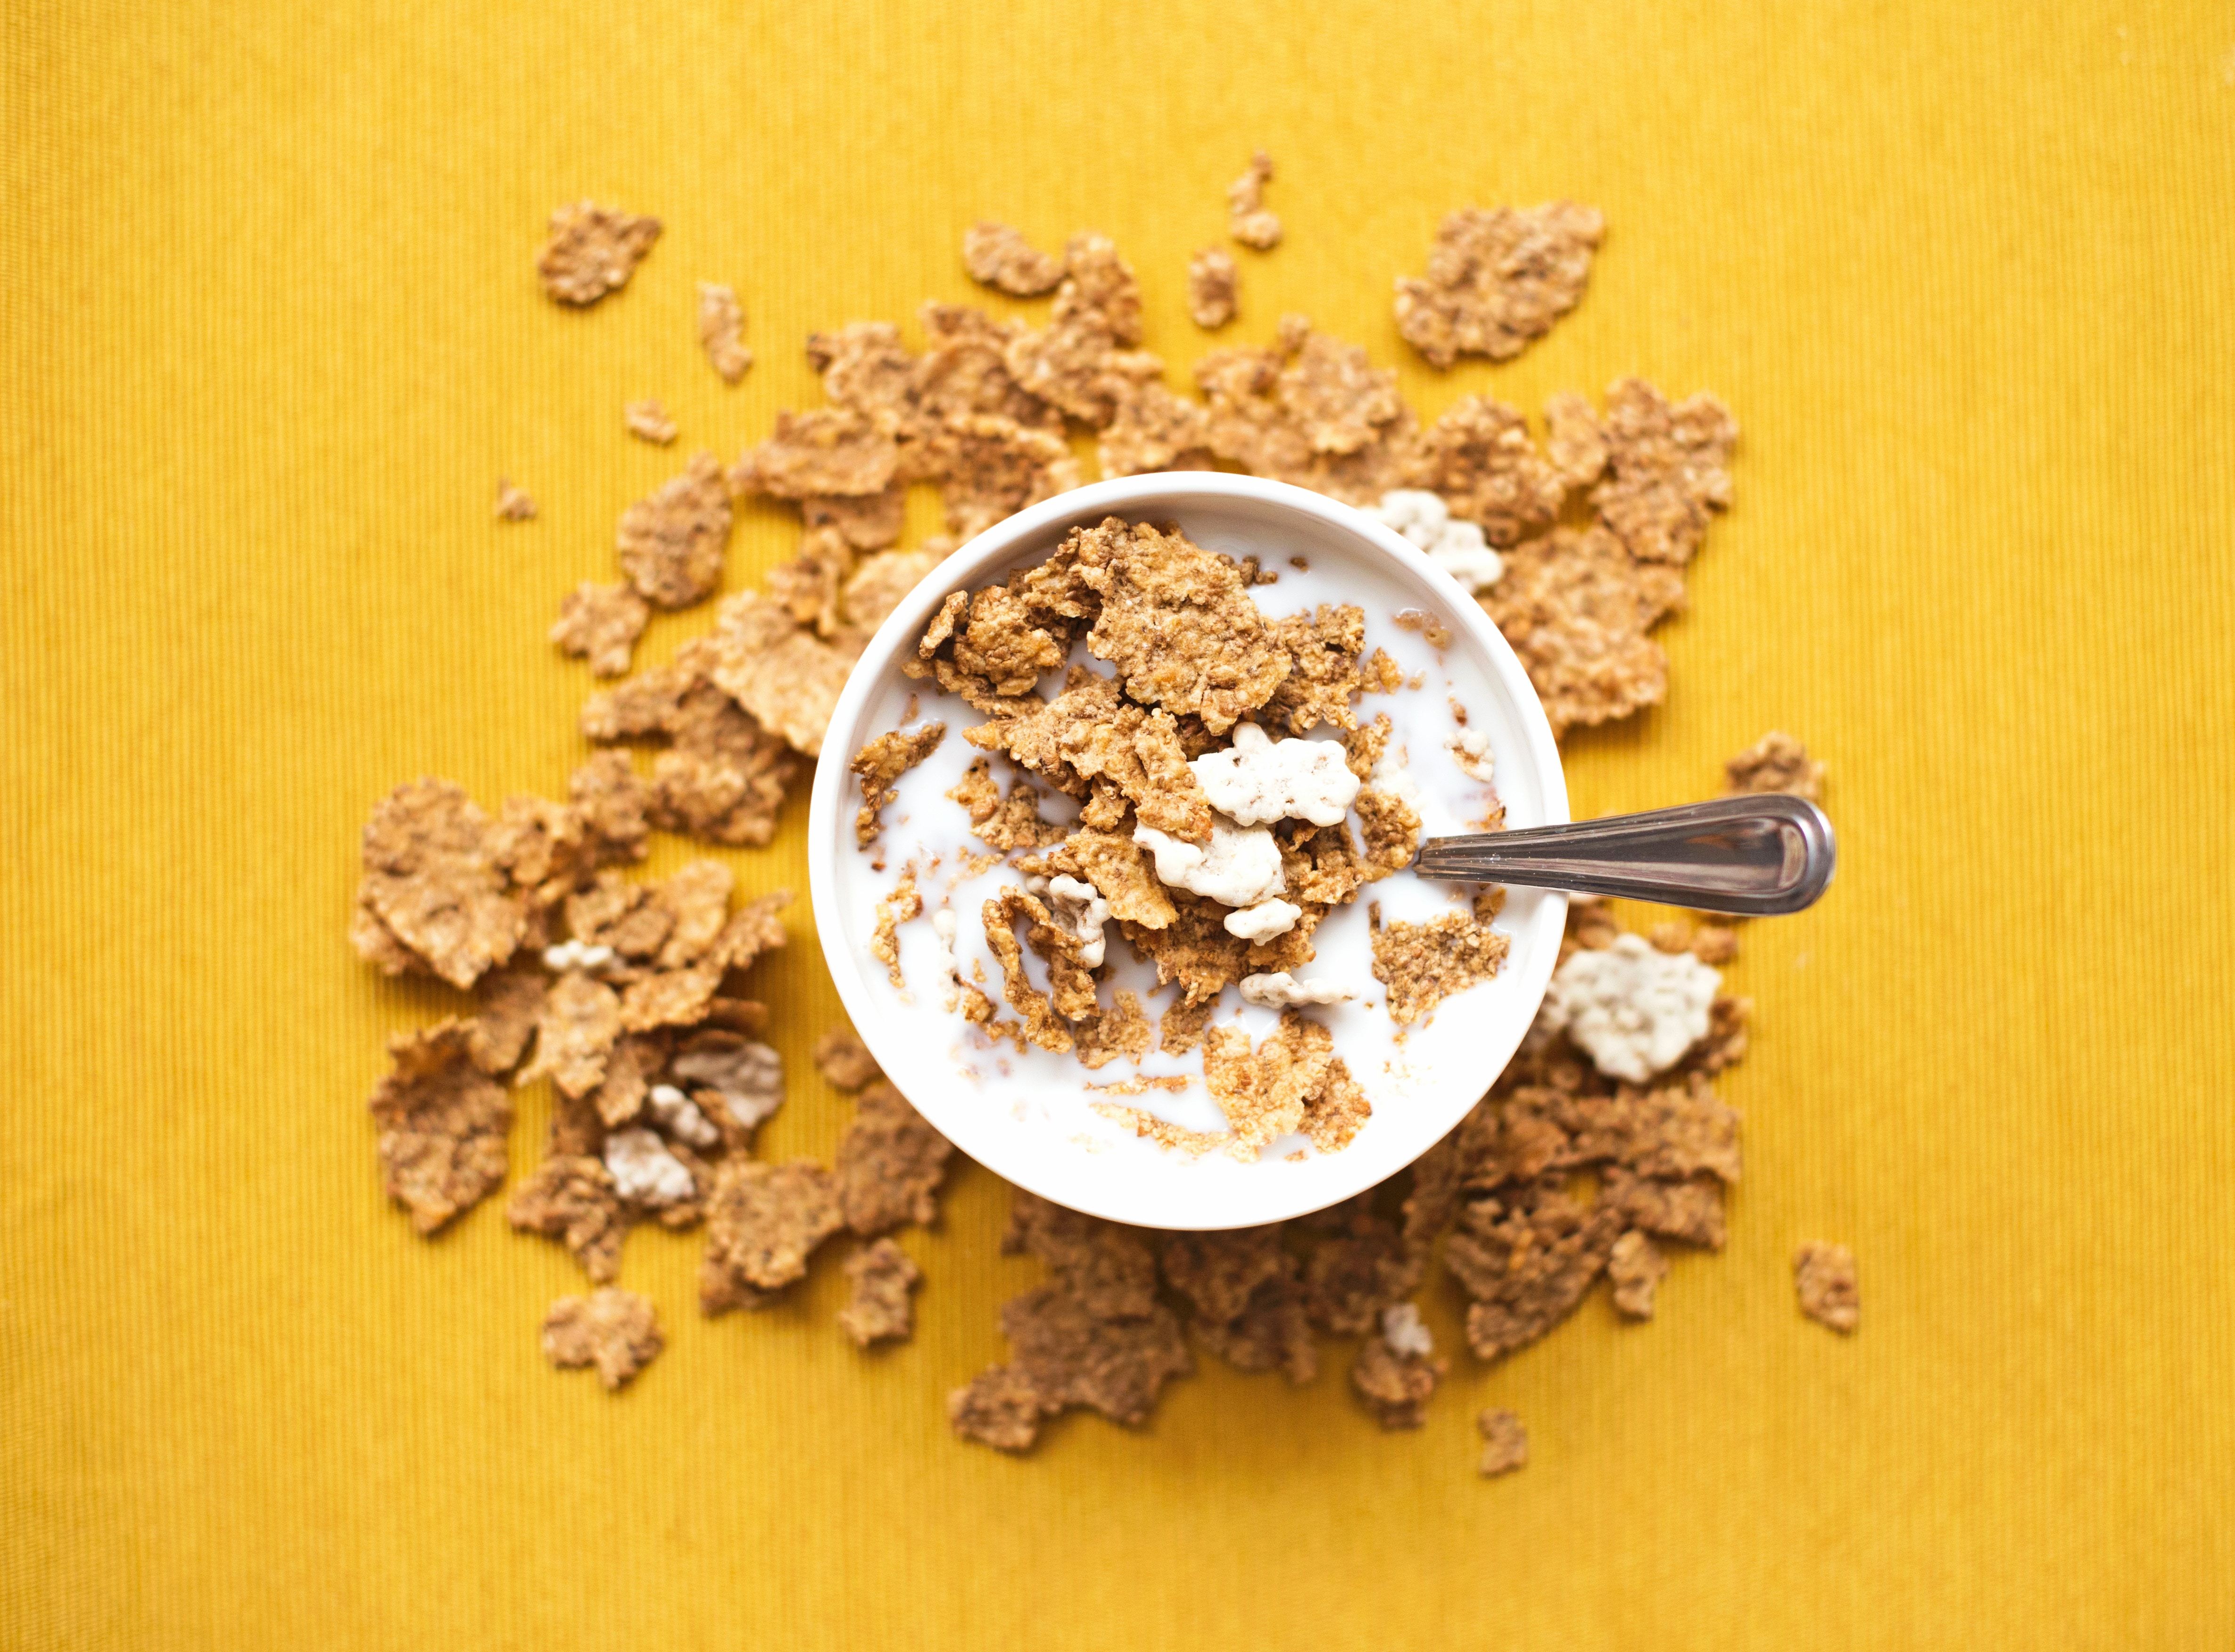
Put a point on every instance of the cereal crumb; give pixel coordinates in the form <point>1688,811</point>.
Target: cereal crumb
<point>1637,1268</point>
<point>601,624</point>
<point>902,905</point>
<point>890,1163</point>
<point>879,762</point>
<point>593,251</point>
<point>1497,279</point>
<point>722,330</point>
<point>570,1197</point>
<point>999,1407</point>
<point>617,1331</point>
<point>1504,1442</point>
<point>1000,257</point>
<point>844,1061</point>
<point>1777,762</point>
<point>1396,1387</point>
<point>513,504</point>
<point>648,421</point>
<point>1213,285</point>
<point>672,543</point>
<point>443,1124</point>
<point>879,1278</point>
<point>1824,1276</point>
<point>1422,964</point>
<point>1247,218</point>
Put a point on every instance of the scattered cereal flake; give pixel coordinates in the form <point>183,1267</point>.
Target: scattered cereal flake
<point>1354,1277</point>
<point>844,1061</point>
<point>1180,1030</point>
<point>890,1163</point>
<point>1173,1138</point>
<point>1504,1442</point>
<point>1689,1209</point>
<point>1634,1010</point>
<point>1527,1261</point>
<point>1247,218</point>
<point>786,678</point>
<point>581,1017</point>
<point>1101,1265</point>
<point>1497,279</point>
<point>613,804</point>
<point>1666,470</point>
<point>1213,284</point>
<point>617,1331</point>
<point>991,467</point>
<point>697,900</point>
<point>879,584</point>
<point>1715,943</point>
<point>1577,607</point>
<point>433,893</point>
<point>1098,282</point>
<point>1322,648</point>
<point>593,251</point>
<point>1395,1386</point>
<point>722,330</point>
<point>1777,762</point>
<point>442,1124</point>
<point>763,1223</point>
<point>671,543</point>
<point>601,623</point>
<point>738,1079</point>
<point>1219,1271</point>
<point>879,1277</point>
<point>1000,257</point>
<point>1824,1275</point>
<point>1309,410</point>
<point>572,1199</point>
<point>513,504</point>
<point>648,421</point>
<point>1422,964</point>
<point>866,521</point>
<point>1178,622</point>
<point>1151,428</point>
<point>963,370</point>
<point>509,1004</point>
<point>1636,1266</point>
<point>865,368</point>
<point>1478,459</point>
<point>670,997</point>
<point>1574,441</point>
<point>1072,1356</point>
<point>723,779</point>
<point>1258,780</point>
<point>999,1407</point>
<point>902,905</point>
<point>636,1058</point>
<point>880,762</point>
<point>824,452</point>
<point>808,585</point>
<point>644,1172</point>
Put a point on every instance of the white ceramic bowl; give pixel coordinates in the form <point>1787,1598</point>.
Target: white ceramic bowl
<point>1033,1128</point>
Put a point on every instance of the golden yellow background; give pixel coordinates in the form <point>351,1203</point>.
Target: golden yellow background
<point>272,333</point>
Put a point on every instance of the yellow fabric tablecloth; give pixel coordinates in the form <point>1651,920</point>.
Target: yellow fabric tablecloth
<point>272,333</point>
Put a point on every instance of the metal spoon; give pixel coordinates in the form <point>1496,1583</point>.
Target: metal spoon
<point>1756,855</point>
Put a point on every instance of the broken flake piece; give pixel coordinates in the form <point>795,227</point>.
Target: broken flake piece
<point>648,421</point>
<point>1823,1277</point>
<point>617,1331</point>
<point>513,504</point>
<point>1777,762</point>
<point>1213,282</point>
<point>601,624</point>
<point>879,762</point>
<point>1497,279</point>
<point>1000,257</point>
<point>879,1277</point>
<point>1504,1442</point>
<point>722,330</point>
<point>443,1124</point>
<point>890,1163</point>
<point>1636,1267</point>
<point>672,542</point>
<point>593,251</point>
<point>1248,219</point>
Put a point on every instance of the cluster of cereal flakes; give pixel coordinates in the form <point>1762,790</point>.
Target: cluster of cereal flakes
<point>628,995</point>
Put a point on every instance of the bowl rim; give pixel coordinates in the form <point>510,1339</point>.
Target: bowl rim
<point>987,1136</point>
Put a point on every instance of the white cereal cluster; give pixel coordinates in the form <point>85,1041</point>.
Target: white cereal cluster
<point>1258,780</point>
<point>1632,1009</point>
<point>1455,547</point>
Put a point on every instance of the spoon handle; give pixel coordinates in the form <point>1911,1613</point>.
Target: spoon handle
<point>1755,855</point>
